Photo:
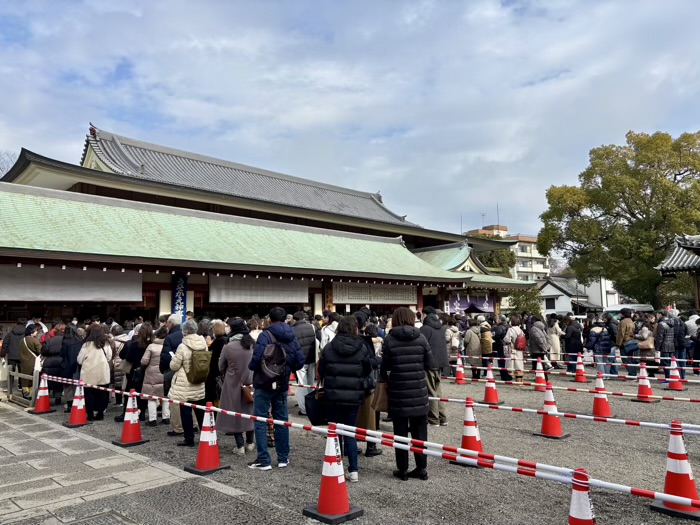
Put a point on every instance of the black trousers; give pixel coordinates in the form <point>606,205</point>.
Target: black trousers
<point>186,417</point>
<point>418,426</point>
<point>96,401</point>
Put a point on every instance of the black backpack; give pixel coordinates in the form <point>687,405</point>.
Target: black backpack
<point>274,364</point>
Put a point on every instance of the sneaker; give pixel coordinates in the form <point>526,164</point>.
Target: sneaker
<point>240,451</point>
<point>663,383</point>
<point>353,477</point>
<point>443,424</point>
<point>434,425</point>
<point>185,443</point>
<point>302,413</point>
<point>172,433</point>
<point>255,465</point>
<point>250,447</point>
<point>283,464</point>
<point>373,451</point>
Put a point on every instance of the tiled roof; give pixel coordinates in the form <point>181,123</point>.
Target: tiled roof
<point>564,286</point>
<point>681,259</point>
<point>139,233</point>
<point>141,160</point>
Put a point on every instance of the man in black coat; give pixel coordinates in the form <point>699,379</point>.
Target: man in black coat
<point>434,332</point>
<point>499,334</point>
<point>306,335</point>
<point>170,345</point>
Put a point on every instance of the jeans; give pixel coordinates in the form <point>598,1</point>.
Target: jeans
<point>666,362</point>
<point>570,362</point>
<point>239,438</point>
<point>437,413</point>
<point>263,400</point>
<point>418,426</point>
<point>680,361</point>
<point>630,358</point>
<point>346,416</point>
<point>186,417</point>
<point>606,363</point>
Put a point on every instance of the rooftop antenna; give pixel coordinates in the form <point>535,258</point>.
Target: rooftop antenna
<point>483,216</point>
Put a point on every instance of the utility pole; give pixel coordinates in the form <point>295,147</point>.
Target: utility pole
<point>483,215</point>
<point>498,215</point>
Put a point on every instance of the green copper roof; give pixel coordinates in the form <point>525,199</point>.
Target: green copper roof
<point>448,257</point>
<point>57,221</point>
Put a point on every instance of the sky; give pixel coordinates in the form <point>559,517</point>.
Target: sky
<point>449,108</point>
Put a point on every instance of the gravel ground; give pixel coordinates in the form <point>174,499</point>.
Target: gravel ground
<point>614,453</point>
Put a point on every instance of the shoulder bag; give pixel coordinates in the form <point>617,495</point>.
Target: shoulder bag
<point>247,391</point>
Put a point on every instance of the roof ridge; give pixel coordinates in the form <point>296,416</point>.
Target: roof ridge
<point>107,135</point>
<point>171,210</point>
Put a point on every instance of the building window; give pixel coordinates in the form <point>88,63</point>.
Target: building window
<point>549,304</point>
<point>526,264</point>
<point>524,249</point>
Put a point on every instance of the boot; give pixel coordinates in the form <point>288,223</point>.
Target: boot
<point>519,378</point>
<point>372,450</point>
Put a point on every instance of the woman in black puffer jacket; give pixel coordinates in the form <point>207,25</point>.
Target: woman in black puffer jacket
<point>51,352</point>
<point>345,365</point>
<point>406,357</point>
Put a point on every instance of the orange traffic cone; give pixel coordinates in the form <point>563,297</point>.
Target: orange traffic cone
<point>131,430</point>
<point>292,379</point>
<point>581,508</point>
<point>601,406</point>
<point>490,392</point>
<point>78,414</point>
<point>333,502</point>
<point>540,380</point>
<point>43,400</point>
<point>679,478</point>
<point>471,439</point>
<point>551,425</point>
<point>674,377</point>
<point>643,387</point>
<point>459,374</point>
<point>208,460</point>
<point>580,371</point>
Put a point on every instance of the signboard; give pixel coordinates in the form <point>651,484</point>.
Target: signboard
<point>358,293</point>
<point>180,296</point>
<point>461,303</point>
<point>237,289</point>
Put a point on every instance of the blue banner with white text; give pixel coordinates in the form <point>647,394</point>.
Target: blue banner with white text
<point>180,295</point>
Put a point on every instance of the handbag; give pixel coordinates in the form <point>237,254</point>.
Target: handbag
<point>247,391</point>
<point>380,400</point>
<point>316,408</point>
<point>631,346</point>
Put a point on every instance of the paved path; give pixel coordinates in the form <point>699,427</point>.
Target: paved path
<point>51,475</point>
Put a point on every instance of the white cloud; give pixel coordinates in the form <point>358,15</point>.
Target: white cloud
<point>447,107</point>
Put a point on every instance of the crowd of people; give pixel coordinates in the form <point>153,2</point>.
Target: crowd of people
<point>244,366</point>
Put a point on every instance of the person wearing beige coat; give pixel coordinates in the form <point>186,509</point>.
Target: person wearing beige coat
<point>181,389</point>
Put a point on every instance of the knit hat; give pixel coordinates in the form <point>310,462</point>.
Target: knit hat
<point>480,319</point>
<point>238,326</point>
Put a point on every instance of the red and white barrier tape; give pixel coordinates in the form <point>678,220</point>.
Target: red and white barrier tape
<point>363,435</point>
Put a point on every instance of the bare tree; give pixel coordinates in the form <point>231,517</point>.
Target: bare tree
<point>7,160</point>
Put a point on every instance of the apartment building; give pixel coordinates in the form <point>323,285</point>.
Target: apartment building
<point>530,265</point>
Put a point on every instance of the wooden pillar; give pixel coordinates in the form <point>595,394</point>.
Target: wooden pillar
<point>697,291</point>
<point>419,292</point>
<point>328,296</point>
<point>496,304</point>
